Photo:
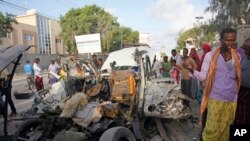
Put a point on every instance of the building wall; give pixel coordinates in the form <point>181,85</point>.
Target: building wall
<point>56,40</point>
<point>34,29</point>
<point>17,36</point>
<point>29,19</point>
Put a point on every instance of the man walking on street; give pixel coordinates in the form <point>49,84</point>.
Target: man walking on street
<point>28,69</point>
<point>222,71</point>
<point>38,75</point>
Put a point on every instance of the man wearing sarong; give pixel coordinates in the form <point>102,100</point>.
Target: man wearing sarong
<point>242,116</point>
<point>222,71</point>
<point>38,76</point>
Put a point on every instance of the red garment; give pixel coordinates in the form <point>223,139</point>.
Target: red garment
<point>175,73</point>
<point>206,48</point>
<point>193,54</point>
<point>39,83</point>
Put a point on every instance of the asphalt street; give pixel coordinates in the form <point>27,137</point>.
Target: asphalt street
<point>19,84</point>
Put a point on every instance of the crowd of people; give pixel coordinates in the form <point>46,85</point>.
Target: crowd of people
<point>225,76</point>
<point>221,74</point>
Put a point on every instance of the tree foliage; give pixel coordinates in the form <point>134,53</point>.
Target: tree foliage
<point>230,13</point>
<point>202,34</point>
<point>88,20</point>
<point>5,23</point>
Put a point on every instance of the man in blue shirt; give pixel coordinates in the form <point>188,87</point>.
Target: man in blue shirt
<point>28,69</point>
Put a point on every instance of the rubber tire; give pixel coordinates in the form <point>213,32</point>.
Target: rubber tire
<point>116,133</point>
<point>28,124</point>
<point>22,95</point>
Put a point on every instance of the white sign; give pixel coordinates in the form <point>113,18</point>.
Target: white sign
<point>89,43</point>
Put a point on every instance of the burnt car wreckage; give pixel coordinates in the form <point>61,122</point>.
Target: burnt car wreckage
<point>123,106</point>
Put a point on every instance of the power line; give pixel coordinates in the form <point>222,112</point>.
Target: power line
<point>24,9</point>
<point>63,3</point>
<point>18,6</point>
<point>12,6</point>
<point>73,4</point>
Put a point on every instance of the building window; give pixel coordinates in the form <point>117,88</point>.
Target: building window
<point>28,37</point>
<point>58,41</point>
<point>3,34</point>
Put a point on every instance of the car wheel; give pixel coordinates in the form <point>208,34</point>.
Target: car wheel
<point>27,129</point>
<point>22,95</point>
<point>117,134</point>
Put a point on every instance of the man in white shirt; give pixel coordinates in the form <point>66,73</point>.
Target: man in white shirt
<point>58,65</point>
<point>38,76</point>
<point>157,67</point>
<point>52,68</point>
<point>175,57</point>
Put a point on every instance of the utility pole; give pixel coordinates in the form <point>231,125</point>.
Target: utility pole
<point>198,37</point>
<point>121,36</point>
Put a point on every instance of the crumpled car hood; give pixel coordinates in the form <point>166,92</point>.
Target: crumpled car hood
<point>165,100</point>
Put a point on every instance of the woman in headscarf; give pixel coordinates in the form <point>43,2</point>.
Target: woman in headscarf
<point>193,54</point>
<point>194,86</point>
<point>206,48</point>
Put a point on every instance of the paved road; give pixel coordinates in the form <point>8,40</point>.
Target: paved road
<point>19,84</point>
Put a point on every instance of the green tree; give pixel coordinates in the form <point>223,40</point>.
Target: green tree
<point>88,20</point>
<point>128,36</point>
<point>203,33</point>
<point>229,13</point>
<point>5,23</point>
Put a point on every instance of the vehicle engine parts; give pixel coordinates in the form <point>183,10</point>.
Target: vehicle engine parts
<point>163,100</point>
